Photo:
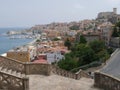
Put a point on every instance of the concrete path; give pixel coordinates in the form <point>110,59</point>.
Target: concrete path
<point>112,67</point>
<point>55,82</point>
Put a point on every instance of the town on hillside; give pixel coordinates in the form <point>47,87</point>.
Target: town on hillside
<point>73,50</point>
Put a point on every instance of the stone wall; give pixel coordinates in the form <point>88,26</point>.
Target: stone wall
<point>20,56</point>
<point>12,64</point>
<point>10,82</point>
<point>81,73</point>
<point>78,75</point>
<point>26,68</point>
<point>61,72</point>
<point>106,82</point>
<point>37,68</point>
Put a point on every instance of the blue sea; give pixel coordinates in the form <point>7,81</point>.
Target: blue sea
<point>6,43</point>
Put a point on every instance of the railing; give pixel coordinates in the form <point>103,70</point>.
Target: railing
<point>62,72</point>
<point>81,74</point>
<point>106,82</point>
<point>37,68</point>
<point>78,75</point>
<point>10,82</point>
<point>12,64</point>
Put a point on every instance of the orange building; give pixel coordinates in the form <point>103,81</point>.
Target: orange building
<point>23,54</point>
<point>20,56</point>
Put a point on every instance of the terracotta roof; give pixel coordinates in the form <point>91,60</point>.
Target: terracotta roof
<point>41,61</point>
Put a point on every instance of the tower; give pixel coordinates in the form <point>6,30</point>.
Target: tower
<point>115,10</point>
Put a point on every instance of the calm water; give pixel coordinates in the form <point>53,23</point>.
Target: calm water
<point>7,44</point>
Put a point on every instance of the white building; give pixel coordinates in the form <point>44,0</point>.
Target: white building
<point>54,56</point>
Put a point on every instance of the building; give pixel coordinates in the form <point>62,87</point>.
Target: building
<point>112,17</point>
<point>106,29</point>
<point>24,53</point>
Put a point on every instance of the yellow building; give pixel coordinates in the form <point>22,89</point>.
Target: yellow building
<point>23,54</point>
<point>20,56</point>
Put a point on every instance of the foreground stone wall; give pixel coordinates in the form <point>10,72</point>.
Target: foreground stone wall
<point>12,64</point>
<point>81,73</point>
<point>37,68</point>
<point>25,68</point>
<point>61,72</point>
<point>106,82</point>
<point>78,75</point>
<point>10,82</point>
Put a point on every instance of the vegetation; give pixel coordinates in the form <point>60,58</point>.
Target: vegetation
<point>82,39</point>
<point>74,27</point>
<point>38,40</point>
<point>83,53</point>
<point>97,46</point>
<point>68,44</point>
<point>68,63</point>
<point>116,30</point>
<point>56,39</point>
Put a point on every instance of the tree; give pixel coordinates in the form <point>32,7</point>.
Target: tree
<point>74,27</point>
<point>103,55</point>
<point>97,45</point>
<point>85,54</point>
<point>38,40</point>
<point>82,39</point>
<point>68,63</point>
<point>116,30</point>
<point>68,44</point>
<point>56,39</point>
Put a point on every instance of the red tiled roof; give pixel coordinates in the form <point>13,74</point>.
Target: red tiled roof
<point>41,61</point>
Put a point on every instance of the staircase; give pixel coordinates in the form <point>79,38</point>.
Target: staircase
<point>11,72</point>
<point>12,76</point>
<point>41,77</point>
<point>57,82</point>
<point>12,80</point>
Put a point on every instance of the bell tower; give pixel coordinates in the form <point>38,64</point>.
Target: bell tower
<point>115,10</point>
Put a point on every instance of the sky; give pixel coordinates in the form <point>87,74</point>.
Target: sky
<point>27,13</point>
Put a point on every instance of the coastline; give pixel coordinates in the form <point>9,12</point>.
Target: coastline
<point>4,54</point>
<point>30,43</point>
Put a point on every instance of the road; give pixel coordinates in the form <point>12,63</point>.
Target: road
<point>112,67</point>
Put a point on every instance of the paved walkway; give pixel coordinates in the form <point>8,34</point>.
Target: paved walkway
<point>55,82</point>
<point>112,67</point>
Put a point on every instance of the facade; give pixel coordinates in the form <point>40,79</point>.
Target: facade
<point>91,38</point>
<point>113,17</point>
<point>106,31</point>
<point>54,56</point>
<point>115,42</point>
<point>20,56</point>
<point>24,54</point>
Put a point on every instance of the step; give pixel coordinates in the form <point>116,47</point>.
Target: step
<point>9,71</point>
<point>14,73</point>
<point>18,74</point>
<point>23,75</point>
<point>0,68</point>
<point>4,70</point>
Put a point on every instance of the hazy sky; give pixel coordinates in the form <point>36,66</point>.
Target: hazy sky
<point>20,13</point>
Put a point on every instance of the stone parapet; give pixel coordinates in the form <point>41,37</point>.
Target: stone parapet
<point>106,82</point>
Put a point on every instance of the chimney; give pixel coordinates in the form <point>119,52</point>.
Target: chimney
<point>115,10</point>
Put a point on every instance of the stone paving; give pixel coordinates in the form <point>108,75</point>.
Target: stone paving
<point>55,82</point>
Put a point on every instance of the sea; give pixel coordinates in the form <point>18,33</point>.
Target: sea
<point>7,44</point>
